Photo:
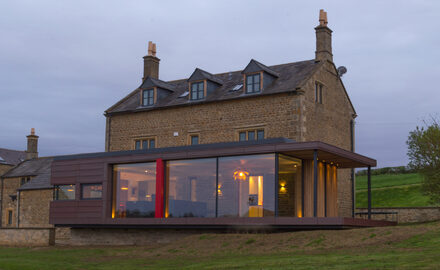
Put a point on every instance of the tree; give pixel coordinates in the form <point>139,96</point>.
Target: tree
<point>424,155</point>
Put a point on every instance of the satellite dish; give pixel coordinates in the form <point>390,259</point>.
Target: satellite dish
<point>342,70</point>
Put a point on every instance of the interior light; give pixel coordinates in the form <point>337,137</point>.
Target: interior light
<point>70,190</point>
<point>124,188</point>
<point>240,175</point>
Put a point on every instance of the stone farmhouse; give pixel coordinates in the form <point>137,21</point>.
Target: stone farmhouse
<point>263,146</point>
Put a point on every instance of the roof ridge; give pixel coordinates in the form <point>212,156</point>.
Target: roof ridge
<point>227,72</point>
<point>23,151</point>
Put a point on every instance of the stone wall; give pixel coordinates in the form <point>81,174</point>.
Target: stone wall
<point>90,237</point>
<point>34,208</point>
<point>27,237</point>
<point>404,214</point>
<point>10,186</point>
<point>330,122</point>
<point>215,122</point>
<point>4,168</point>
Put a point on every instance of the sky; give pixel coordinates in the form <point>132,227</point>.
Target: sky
<point>63,63</point>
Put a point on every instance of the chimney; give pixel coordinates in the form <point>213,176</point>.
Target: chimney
<point>323,39</point>
<point>32,145</point>
<point>151,62</point>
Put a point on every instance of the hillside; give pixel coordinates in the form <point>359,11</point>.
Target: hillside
<point>391,190</point>
<point>399,247</point>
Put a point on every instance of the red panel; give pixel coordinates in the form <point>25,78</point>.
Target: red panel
<point>159,188</point>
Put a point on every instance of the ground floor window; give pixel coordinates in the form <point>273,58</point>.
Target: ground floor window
<point>91,191</point>
<point>134,190</point>
<point>261,185</point>
<point>64,192</point>
<point>190,186</point>
<point>289,186</point>
<point>246,186</point>
<point>9,217</point>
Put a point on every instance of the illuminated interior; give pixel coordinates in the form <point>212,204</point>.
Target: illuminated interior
<point>135,188</point>
<point>247,186</point>
<point>289,187</point>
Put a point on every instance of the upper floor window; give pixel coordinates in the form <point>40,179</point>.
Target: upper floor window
<point>253,83</point>
<point>64,192</point>
<point>148,97</point>
<point>197,90</point>
<point>194,139</point>
<point>24,180</point>
<point>145,144</point>
<point>251,135</point>
<point>318,92</point>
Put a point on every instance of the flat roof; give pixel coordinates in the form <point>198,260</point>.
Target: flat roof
<point>303,150</point>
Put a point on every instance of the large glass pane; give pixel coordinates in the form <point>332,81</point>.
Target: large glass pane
<point>243,136</point>
<point>260,135</point>
<point>191,188</point>
<point>289,187</point>
<point>134,189</point>
<point>251,135</point>
<point>246,186</point>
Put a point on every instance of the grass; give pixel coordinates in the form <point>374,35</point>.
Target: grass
<point>392,190</point>
<point>400,247</point>
<point>388,180</point>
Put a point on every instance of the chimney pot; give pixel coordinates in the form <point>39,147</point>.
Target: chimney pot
<point>323,39</point>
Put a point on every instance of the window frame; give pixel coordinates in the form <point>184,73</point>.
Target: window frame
<point>194,135</point>
<point>90,184</point>
<point>55,194</point>
<point>319,87</point>
<point>141,141</point>
<point>151,96</point>
<point>255,132</point>
<point>260,83</point>
<point>198,91</point>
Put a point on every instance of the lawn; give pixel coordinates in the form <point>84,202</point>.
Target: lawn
<point>392,190</point>
<point>400,247</point>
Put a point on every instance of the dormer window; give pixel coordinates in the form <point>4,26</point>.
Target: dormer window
<point>148,97</point>
<point>253,83</point>
<point>257,77</point>
<point>197,90</point>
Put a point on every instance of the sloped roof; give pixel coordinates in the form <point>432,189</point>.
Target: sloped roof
<point>40,168</point>
<point>200,74</point>
<point>31,167</point>
<point>291,76</point>
<point>150,82</point>
<point>254,66</point>
<point>11,157</point>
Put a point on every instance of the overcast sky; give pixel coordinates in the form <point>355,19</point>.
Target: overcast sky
<point>62,63</point>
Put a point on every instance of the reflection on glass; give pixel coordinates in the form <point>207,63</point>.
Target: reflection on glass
<point>191,188</point>
<point>246,186</point>
<point>91,191</point>
<point>289,187</point>
<point>64,192</point>
<point>134,186</point>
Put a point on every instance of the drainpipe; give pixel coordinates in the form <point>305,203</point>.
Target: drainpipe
<point>1,202</point>
<point>353,191</point>
<point>18,209</point>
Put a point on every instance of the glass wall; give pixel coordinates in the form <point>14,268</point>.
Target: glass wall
<point>191,188</point>
<point>289,187</point>
<point>134,189</point>
<point>246,186</point>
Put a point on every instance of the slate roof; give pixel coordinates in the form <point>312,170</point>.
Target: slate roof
<point>40,168</point>
<point>11,157</point>
<point>291,77</point>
